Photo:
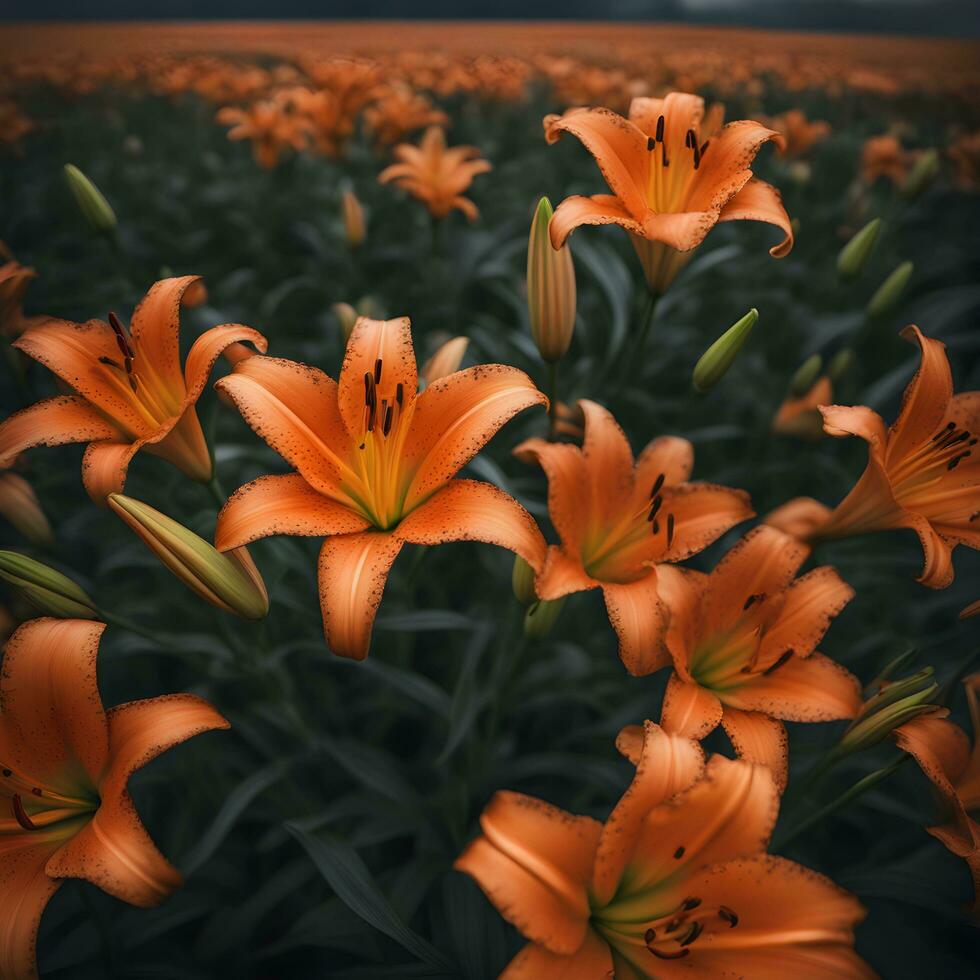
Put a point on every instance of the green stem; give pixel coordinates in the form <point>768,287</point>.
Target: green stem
<point>552,398</point>
<point>645,329</point>
<point>859,788</point>
<point>121,622</point>
<point>216,490</point>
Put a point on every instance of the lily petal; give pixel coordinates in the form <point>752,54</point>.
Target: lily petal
<point>592,959</point>
<point>640,620</point>
<point>105,465</point>
<point>758,738</point>
<point>854,420</point>
<point>208,348</point>
<point>937,569</point>
<point>689,709</point>
<point>353,569</point>
<point>562,575</point>
<point>669,455</point>
<point>702,513</point>
<point>155,327</point>
<point>600,209</point>
<point>759,201</point>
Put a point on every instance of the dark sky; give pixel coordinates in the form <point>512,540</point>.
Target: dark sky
<point>953,17</point>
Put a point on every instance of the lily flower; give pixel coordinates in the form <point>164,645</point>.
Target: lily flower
<point>619,522</point>
<point>944,753</point>
<point>64,765</point>
<point>799,415</point>
<point>129,390</point>
<point>742,640</point>
<point>437,175</point>
<point>14,280</point>
<point>375,464</point>
<point>676,883</point>
<point>800,134</point>
<point>923,472</point>
<point>271,127</point>
<point>19,504</point>
<point>671,179</point>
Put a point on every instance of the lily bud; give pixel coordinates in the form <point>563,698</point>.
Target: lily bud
<point>541,616</point>
<point>229,581</point>
<point>346,316</point>
<point>895,704</point>
<point>51,592</point>
<point>446,360</point>
<point>855,254</point>
<point>840,363</point>
<point>806,375</point>
<point>924,171</point>
<point>719,357</point>
<point>96,210</point>
<point>522,581</point>
<point>888,294</point>
<point>19,504</point>
<point>551,292</point>
<point>355,230</point>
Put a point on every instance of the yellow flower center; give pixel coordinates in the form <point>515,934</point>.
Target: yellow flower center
<point>672,169</point>
<point>37,808</point>
<point>926,469</point>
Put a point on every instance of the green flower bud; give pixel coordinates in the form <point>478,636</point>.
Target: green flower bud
<point>346,316</point>
<point>229,581</point>
<point>855,254</point>
<point>540,617</point>
<point>51,592</point>
<point>355,225</point>
<point>888,294</point>
<point>522,581</point>
<point>924,171</point>
<point>96,210</point>
<point>719,357</point>
<point>551,294</point>
<point>840,363</point>
<point>806,376</point>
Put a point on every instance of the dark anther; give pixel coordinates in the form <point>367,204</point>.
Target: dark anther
<point>377,371</point>
<point>974,515</point>
<point>657,484</point>
<point>704,147</point>
<point>691,903</point>
<point>675,924</point>
<point>121,339</point>
<point>399,393</point>
<point>386,426</point>
<point>7,773</point>
<point>649,936</point>
<point>660,130</point>
<point>751,599</point>
<point>367,388</point>
<point>656,526</point>
<point>109,362</point>
<point>779,663</point>
<point>679,853</point>
<point>661,954</point>
<point>654,507</point>
<point>944,431</point>
<point>955,461</point>
<point>36,791</point>
<point>20,814</point>
<point>696,929</point>
<point>670,529</point>
<point>651,143</point>
<point>689,138</point>
<point>697,156</point>
<point>728,915</point>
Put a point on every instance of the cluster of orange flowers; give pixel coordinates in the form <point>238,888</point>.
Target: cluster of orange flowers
<point>678,878</point>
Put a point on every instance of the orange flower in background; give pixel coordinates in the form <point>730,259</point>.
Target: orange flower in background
<point>671,179</point>
<point>400,111</point>
<point>743,643</point>
<point>943,751</point>
<point>65,765</point>
<point>437,175</point>
<point>20,506</point>
<point>14,280</point>
<point>884,156</point>
<point>375,462</point>
<point>800,135</point>
<point>676,883</point>
<point>323,115</point>
<point>270,125</point>
<point>964,152</point>
<point>14,125</point>
<point>923,472</point>
<point>801,416</point>
<point>973,609</point>
<point>129,390</point>
<point>618,521</point>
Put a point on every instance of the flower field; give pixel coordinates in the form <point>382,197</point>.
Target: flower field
<point>488,500</point>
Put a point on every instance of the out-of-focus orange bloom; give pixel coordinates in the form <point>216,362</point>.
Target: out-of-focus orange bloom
<point>799,133</point>
<point>676,883</point>
<point>270,125</point>
<point>971,610</point>
<point>129,390</point>
<point>399,112</point>
<point>923,472</point>
<point>14,125</point>
<point>354,82</point>
<point>14,280</point>
<point>943,751</point>
<point>672,181</point>
<point>743,642</point>
<point>618,522</point>
<point>446,360</point>
<point>801,416</point>
<point>375,465</point>
<point>19,504</point>
<point>65,765</point>
<point>327,126</point>
<point>884,156</point>
<point>437,175</point>
<point>965,154</point>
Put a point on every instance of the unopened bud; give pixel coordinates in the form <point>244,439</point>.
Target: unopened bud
<point>719,357</point>
<point>895,704</point>
<point>522,581</point>
<point>888,294</point>
<point>924,171</point>
<point>229,581</point>
<point>19,504</point>
<point>551,295</point>
<point>840,364</point>
<point>446,360</point>
<point>51,592</point>
<point>855,254</point>
<point>806,375</point>
<point>346,316</point>
<point>541,616</point>
<point>371,307</point>
<point>96,210</point>
<point>355,230</point>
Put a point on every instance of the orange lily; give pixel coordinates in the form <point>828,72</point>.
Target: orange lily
<point>672,181</point>
<point>14,280</point>
<point>437,175</point>
<point>800,416</point>
<point>884,156</point>
<point>742,640</point>
<point>270,125</point>
<point>800,134</point>
<point>129,390</point>
<point>922,472</point>
<point>618,522</point>
<point>676,883</point>
<point>399,111</point>
<point>943,751</point>
<point>65,765</point>
<point>375,465</point>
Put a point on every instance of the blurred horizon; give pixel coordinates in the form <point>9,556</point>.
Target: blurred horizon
<point>934,18</point>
